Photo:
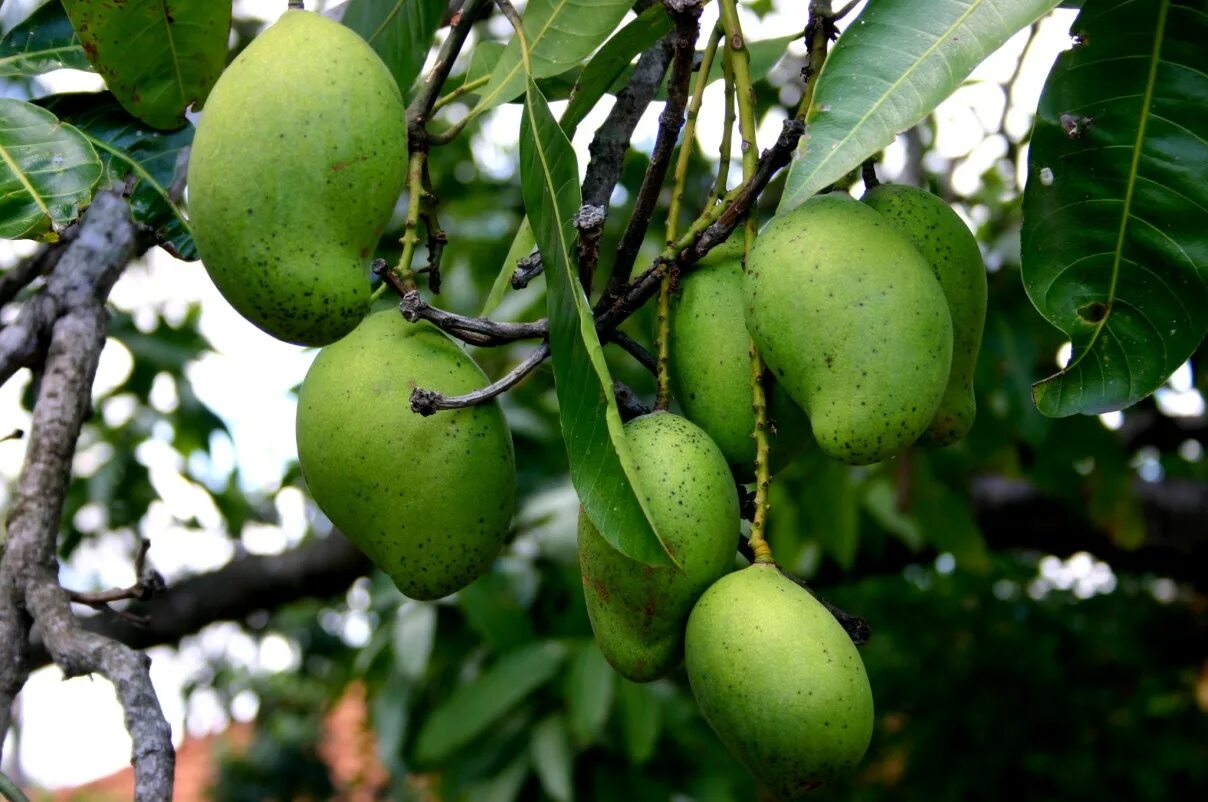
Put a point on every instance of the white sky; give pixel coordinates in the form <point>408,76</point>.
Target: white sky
<point>72,731</point>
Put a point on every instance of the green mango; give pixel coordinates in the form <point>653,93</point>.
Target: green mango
<point>428,499</point>
<point>946,242</point>
<point>295,169</point>
<point>638,612</point>
<point>710,365</point>
<point>853,322</point>
<point>778,680</point>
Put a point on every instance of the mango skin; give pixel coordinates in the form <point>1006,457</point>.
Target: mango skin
<point>854,324</point>
<point>428,499</point>
<point>710,365</point>
<point>778,680</point>
<point>295,169</point>
<point>638,612</point>
<point>946,242</point>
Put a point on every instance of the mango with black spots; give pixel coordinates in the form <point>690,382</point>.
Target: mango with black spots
<point>428,499</point>
<point>295,169</point>
<point>638,612</point>
<point>853,323</point>
<point>947,244</point>
<point>710,365</point>
<point>778,680</point>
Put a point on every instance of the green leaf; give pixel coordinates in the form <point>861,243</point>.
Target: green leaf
<point>946,517</point>
<point>640,713</point>
<point>483,60</point>
<point>494,613</point>
<point>156,59</point>
<point>561,33</point>
<point>505,786</point>
<point>130,151</point>
<point>522,245</point>
<point>832,518</point>
<point>610,62</point>
<point>399,31</point>
<point>472,709</point>
<point>1116,206</point>
<point>590,687</point>
<point>889,69</point>
<point>47,172</point>
<point>413,638</point>
<point>601,468</point>
<point>43,42</point>
<point>553,758</point>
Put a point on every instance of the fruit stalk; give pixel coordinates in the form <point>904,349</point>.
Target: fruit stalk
<point>663,334</point>
<point>739,74</point>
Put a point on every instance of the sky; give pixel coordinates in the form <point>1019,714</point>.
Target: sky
<point>248,364</point>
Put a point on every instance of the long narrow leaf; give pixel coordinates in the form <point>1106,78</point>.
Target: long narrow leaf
<point>600,465</point>
<point>399,31</point>
<point>561,33</point>
<point>1115,236</point>
<point>891,67</point>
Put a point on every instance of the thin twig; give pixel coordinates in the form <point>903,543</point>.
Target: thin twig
<point>635,349</point>
<point>687,30</point>
<point>428,402</point>
<point>473,330</point>
<point>528,268</point>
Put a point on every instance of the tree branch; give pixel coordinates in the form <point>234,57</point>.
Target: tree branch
<point>29,590</point>
<point>428,402</point>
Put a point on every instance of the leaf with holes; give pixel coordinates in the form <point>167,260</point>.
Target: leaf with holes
<point>601,467</point>
<point>43,42</point>
<point>1115,234</point>
<point>560,33</point>
<point>889,69</point>
<point>47,172</point>
<point>157,59</point>
<point>148,161</point>
<point>399,31</point>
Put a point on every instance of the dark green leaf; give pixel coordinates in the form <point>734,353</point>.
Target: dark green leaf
<point>553,758</point>
<point>483,60</point>
<point>889,69</point>
<point>494,613</point>
<point>522,245</point>
<point>473,708</point>
<point>640,713</point>
<point>1114,247</point>
<point>832,517</point>
<point>130,151</point>
<point>47,172</point>
<point>561,33</point>
<point>600,465</point>
<point>43,42</point>
<point>400,31</point>
<point>590,687</point>
<point>610,62</point>
<point>158,60</point>
<point>946,517</point>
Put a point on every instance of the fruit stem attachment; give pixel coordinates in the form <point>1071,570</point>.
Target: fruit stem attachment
<point>737,60</point>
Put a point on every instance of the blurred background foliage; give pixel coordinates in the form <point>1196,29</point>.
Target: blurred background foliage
<point>999,673</point>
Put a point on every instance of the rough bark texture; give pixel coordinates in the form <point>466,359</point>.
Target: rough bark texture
<point>60,333</point>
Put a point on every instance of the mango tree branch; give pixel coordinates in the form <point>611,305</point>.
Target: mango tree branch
<point>428,402</point>
<point>29,590</point>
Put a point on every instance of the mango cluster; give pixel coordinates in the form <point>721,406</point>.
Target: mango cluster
<point>296,166</point>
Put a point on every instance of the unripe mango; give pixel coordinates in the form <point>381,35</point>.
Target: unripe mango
<point>638,612</point>
<point>710,365</point>
<point>853,322</point>
<point>295,169</point>
<point>428,499</point>
<point>778,680</point>
<point>946,242</point>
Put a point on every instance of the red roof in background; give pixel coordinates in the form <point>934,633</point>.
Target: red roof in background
<point>348,748</point>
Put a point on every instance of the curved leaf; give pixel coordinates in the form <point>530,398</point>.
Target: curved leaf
<point>472,709</point>
<point>45,41</point>
<point>47,172</point>
<point>399,31</point>
<point>892,66</point>
<point>1115,236</point>
<point>560,34</point>
<point>600,465</point>
<point>147,161</point>
<point>156,58</point>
